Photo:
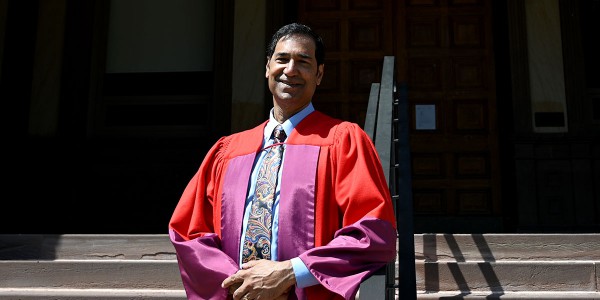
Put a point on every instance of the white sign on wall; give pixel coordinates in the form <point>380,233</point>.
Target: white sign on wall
<point>425,117</point>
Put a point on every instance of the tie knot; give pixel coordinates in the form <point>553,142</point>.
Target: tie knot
<point>279,134</point>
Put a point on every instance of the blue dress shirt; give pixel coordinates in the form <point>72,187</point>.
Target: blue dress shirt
<point>303,277</point>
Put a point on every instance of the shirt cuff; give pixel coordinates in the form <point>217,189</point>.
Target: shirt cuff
<point>304,278</point>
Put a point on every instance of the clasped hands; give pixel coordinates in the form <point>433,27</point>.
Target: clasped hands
<point>261,280</point>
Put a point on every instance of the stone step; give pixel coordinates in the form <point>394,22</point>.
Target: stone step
<point>429,247</point>
<point>126,294</point>
<point>86,246</point>
<point>510,295</point>
<point>91,274</point>
<point>508,276</point>
<point>457,266</point>
<point>513,276</point>
<point>112,294</point>
<point>497,247</point>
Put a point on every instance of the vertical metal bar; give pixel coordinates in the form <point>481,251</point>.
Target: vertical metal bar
<point>371,116</point>
<point>407,282</point>
<point>383,140</point>
<point>383,143</point>
<point>387,125</point>
<point>373,287</point>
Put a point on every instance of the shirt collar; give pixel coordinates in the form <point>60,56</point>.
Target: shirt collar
<point>289,124</point>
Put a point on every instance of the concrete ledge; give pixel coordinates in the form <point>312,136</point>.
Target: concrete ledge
<point>502,277</point>
<point>91,274</point>
<point>113,294</point>
<point>457,266</point>
<point>86,246</point>
<point>494,247</point>
<point>511,295</point>
<point>428,247</point>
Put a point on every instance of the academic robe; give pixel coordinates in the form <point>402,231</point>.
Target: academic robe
<point>335,210</point>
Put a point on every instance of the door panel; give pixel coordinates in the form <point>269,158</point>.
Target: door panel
<point>447,59</point>
<point>444,53</point>
<point>357,35</point>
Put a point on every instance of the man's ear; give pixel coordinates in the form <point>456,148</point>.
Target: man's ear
<point>267,69</point>
<point>320,70</point>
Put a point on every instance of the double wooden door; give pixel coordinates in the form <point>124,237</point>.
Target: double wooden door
<point>444,54</point>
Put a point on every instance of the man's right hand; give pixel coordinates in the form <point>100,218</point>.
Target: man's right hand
<point>262,279</point>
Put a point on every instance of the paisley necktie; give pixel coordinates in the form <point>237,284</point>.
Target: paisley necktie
<point>257,242</point>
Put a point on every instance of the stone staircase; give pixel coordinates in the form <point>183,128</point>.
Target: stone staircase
<point>457,266</point>
<point>88,267</point>
<point>508,266</point>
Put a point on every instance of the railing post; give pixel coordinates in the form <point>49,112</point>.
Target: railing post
<point>386,123</point>
<point>375,286</point>
<point>384,144</point>
<point>407,282</point>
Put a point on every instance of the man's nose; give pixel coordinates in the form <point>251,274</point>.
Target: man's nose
<point>291,67</point>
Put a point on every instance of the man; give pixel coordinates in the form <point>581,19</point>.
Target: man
<point>323,223</point>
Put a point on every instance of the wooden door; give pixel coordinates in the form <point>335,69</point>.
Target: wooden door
<point>357,35</point>
<point>444,53</point>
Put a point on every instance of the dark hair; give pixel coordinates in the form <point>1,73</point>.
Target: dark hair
<point>298,29</point>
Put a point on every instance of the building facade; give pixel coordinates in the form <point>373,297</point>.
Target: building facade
<point>110,106</point>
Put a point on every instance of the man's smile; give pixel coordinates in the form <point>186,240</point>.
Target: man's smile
<point>289,83</point>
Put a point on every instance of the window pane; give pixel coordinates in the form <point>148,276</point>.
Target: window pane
<point>160,36</point>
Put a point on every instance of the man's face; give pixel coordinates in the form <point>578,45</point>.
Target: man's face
<point>293,73</point>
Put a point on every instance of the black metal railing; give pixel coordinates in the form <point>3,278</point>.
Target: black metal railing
<point>386,123</point>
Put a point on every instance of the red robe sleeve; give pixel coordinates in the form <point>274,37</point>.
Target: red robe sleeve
<point>367,239</point>
<point>194,231</point>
